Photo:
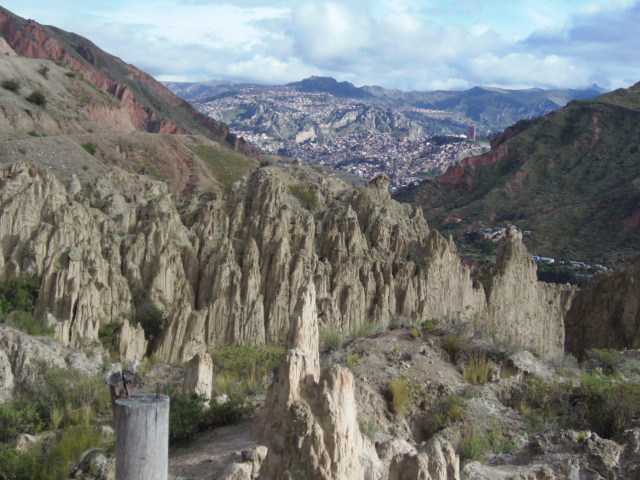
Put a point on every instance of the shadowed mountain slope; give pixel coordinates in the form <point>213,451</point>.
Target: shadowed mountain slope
<point>571,176</point>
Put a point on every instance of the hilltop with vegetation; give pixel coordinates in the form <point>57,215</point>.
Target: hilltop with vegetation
<point>571,178</point>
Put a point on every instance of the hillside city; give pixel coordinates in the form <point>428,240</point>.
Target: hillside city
<point>323,129</point>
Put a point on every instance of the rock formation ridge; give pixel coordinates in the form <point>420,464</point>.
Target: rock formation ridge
<point>228,269</point>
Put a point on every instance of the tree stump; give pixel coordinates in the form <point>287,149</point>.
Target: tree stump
<point>142,443</point>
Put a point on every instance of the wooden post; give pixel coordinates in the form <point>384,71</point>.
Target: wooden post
<point>142,443</point>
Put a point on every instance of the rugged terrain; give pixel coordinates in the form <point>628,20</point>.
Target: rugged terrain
<point>570,176</point>
<point>491,109</point>
<point>125,242</point>
<point>103,111</point>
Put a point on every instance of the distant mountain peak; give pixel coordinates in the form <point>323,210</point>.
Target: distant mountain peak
<point>330,85</point>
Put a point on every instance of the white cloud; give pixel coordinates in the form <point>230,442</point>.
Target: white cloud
<point>408,44</point>
<point>524,69</point>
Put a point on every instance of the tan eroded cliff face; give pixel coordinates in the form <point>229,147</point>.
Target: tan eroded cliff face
<point>520,309</point>
<point>228,269</point>
<point>606,312</point>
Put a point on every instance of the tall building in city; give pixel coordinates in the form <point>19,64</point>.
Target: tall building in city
<point>471,133</point>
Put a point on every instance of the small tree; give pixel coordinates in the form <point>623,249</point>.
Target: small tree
<point>37,98</point>
<point>43,70</point>
<point>12,85</point>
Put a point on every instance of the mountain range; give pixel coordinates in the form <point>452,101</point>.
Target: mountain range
<point>135,231</point>
<point>491,109</point>
<point>94,98</point>
<point>572,177</point>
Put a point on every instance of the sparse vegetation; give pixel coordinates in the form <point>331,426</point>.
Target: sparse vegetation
<point>428,325</point>
<point>19,293</point>
<point>226,164</point>
<point>605,360</point>
<point>11,85</point>
<point>399,396</point>
<point>473,445</point>
<point>394,354</point>
<point>331,338</point>
<point>363,330</point>
<point>369,428</point>
<point>477,371</point>
<point>37,97</point>
<point>600,403</point>
<point>189,415</point>
<point>30,324</point>
<point>415,333</point>
<point>151,319</point>
<point>108,333</point>
<point>307,198</point>
<point>44,71</point>
<point>353,359</point>
<point>244,369</point>
<point>90,147</point>
<point>56,398</point>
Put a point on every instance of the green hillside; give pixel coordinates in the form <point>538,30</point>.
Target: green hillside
<point>572,177</point>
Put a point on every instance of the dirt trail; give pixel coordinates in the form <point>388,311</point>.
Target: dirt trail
<point>207,457</point>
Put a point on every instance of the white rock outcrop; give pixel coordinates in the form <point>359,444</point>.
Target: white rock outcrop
<point>198,377</point>
<point>228,269</point>
<point>309,421</point>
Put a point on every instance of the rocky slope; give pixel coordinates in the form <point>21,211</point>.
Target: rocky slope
<point>82,130</point>
<point>227,269</point>
<point>149,105</point>
<point>571,177</point>
<point>606,313</point>
<point>490,109</point>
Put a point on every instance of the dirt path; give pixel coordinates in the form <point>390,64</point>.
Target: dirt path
<point>208,456</point>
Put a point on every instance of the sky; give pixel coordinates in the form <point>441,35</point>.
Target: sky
<point>418,45</point>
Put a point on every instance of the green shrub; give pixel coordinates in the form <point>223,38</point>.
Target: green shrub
<point>363,330</point>
<point>308,199</point>
<point>12,85</point>
<point>331,338</point>
<point>398,396</point>
<point>75,393</point>
<point>473,445</point>
<point>229,412</point>
<point>449,411</point>
<point>70,74</point>
<point>17,417</point>
<point>186,417</point>
<point>499,442</point>
<point>605,359</point>
<point>453,408</point>
<point>151,319</point>
<point>37,97</point>
<point>188,414</point>
<point>61,457</point>
<point>600,403</point>
<point>19,293</point>
<point>108,333</point>
<point>26,322</point>
<point>244,367</point>
<point>428,325</point>
<point>90,147</point>
<point>477,371</point>
<point>395,354</point>
<point>609,406</point>
<point>43,70</point>
<point>457,347</point>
